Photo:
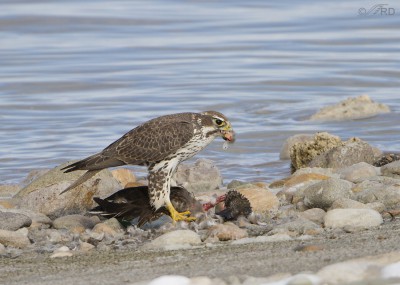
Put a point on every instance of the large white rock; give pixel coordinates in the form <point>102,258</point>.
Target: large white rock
<point>363,218</point>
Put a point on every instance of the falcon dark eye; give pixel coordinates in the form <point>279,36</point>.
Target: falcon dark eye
<point>219,122</point>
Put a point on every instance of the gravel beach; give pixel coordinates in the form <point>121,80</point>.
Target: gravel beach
<point>231,263</point>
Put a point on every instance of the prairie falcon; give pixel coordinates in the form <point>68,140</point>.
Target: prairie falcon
<point>160,144</point>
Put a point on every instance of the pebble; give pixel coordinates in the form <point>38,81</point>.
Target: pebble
<point>13,221</point>
<point>179,239</point>
<point>14,239</point>
<point>359,218</point>
<point>71,222</point>
<point>107,230</point>
<point>85,246</point>
<point>226,231</point>
<point>271,238</point>
<point>322,194</point>
<point>63,251</point>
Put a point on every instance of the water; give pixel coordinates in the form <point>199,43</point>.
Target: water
<point>76,75</point>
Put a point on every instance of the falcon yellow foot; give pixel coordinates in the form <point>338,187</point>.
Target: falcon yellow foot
<point>176,216</point>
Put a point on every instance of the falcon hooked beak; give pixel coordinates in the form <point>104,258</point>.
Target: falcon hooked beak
<point>228,134</point>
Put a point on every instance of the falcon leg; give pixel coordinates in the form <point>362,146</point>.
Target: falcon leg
<point>176,216</point>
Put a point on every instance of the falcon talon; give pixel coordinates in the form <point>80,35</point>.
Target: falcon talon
<point>161,144</point>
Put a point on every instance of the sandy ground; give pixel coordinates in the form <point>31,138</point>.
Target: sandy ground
<point>256,259</point>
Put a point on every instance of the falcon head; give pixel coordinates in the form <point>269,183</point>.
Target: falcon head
<point>220,125</point>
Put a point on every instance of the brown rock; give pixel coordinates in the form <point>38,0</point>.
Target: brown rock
<point>261,199</point>
<point>123,176</point>
<point>226,231</point>
<point>302,153</point>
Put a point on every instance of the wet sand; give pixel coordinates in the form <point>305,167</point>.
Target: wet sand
<point>256,259</point>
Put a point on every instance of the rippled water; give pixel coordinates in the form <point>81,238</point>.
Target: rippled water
<point>76,75</point>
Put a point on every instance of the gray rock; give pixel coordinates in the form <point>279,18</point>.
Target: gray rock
<point>388,195</point>
<point>13,221</point>
<point>350,109</point>
<point>73,221</point>
<point>391,169</point>
<point>174,240</point>
<point>287,145</point>
<point>359,218</point>
<point>201,176</point>
<point>358,171</point>
<point>322,194</point>
<point>14,239</point>
<point>351,152</point>
<point>43,194</point>
<point>37,218</point>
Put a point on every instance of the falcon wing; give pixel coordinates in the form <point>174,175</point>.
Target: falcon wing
<point>151,142</point>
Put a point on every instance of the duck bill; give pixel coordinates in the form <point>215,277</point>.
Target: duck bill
<point>228,135</point>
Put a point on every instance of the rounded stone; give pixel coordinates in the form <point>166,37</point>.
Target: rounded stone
<point>73,221</point>
<point>323,194</point>
<point>13,221</point>
<point>14,239</point>
<point>359,218</point>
